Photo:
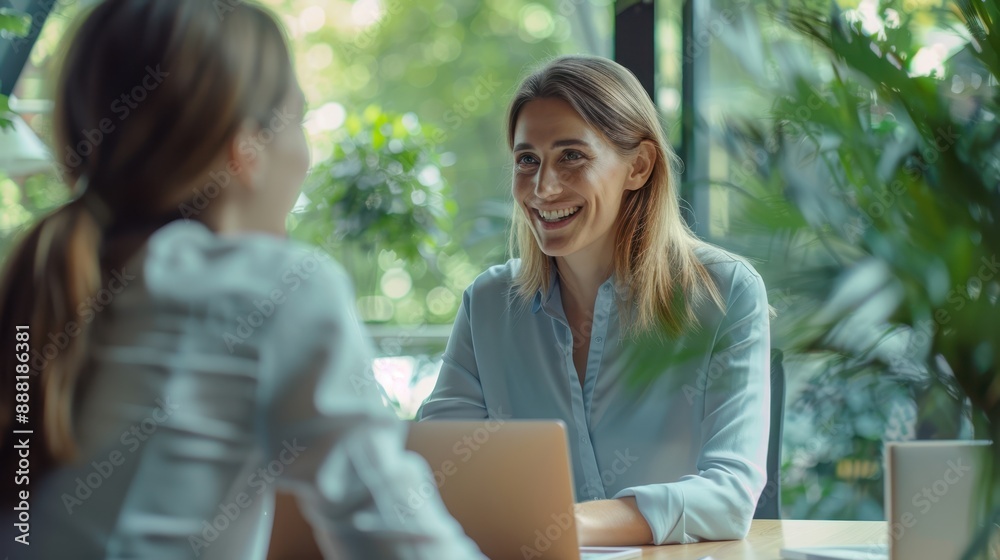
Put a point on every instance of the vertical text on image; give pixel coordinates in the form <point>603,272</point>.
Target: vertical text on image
<point>22,437</point>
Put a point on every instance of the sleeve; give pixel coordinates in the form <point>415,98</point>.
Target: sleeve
<point>458,392</point>
<point>718,503</point>
<point>341,449</point>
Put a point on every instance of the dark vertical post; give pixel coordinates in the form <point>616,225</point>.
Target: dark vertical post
<point>635,47</point>
<point>14,51</point>
<point>694,132</point>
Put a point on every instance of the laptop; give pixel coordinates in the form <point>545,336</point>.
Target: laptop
<point>931,504</point>
<point>509,484</point>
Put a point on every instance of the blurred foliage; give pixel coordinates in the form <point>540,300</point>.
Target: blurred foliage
<point>13,24</point>
<point>5,122</point>
<point>873,197</point>
<point>24,200</point>
<point>451,66</point>
<point>380,205</point>
<point>381,188</point>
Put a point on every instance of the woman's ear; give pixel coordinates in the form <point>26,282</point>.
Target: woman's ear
<point>245,155</point>
<point>642,163</point>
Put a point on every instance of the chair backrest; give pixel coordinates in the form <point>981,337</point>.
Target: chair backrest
<point>769,504</point>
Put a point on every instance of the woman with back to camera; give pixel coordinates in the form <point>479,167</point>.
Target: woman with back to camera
<point>606,260</point>
<point>201,363</point>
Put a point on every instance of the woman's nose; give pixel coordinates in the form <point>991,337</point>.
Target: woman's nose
<point>549,182</point>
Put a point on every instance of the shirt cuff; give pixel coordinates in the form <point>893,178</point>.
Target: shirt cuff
<point>662,505</point>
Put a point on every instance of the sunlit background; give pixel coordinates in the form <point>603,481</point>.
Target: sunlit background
<point>411,176</point>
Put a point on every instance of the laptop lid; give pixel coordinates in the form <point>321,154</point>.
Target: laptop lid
<point>507,482</point>
<point>932,497</point>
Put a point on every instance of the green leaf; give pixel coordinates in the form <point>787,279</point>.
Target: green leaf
<point>5,122</point>
<point>14,23</point>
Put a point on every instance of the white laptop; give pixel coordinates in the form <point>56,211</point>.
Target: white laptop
<point>931,497</point>
<point>509,484</point>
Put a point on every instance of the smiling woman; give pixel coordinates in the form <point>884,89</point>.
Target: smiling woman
<point>577,187</point>
<point>606,261</point>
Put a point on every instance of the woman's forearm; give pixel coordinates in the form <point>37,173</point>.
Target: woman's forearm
<point>612,523</point>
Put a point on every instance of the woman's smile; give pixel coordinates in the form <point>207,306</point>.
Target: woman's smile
<point>556,219</point>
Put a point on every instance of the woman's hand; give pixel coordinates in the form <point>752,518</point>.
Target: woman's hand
<point>611,523</point>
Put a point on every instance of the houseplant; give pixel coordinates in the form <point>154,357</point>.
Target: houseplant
<point>876,191</point>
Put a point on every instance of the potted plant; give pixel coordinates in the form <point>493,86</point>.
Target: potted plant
<point>877,188</point>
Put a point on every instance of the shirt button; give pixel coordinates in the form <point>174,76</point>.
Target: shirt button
<point>606,288</point>
<point>583,439</point>
<point>598,340</point>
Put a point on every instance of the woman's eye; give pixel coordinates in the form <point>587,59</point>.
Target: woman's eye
<point>526,160</point>
<point>573,156</point>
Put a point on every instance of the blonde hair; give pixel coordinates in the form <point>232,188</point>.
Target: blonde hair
<point>654,248</point>
<point>201,74</point>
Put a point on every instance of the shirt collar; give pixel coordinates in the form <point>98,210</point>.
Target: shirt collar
<point>543,298</point>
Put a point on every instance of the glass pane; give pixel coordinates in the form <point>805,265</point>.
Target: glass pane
<point>423,79</point>
<point>669,61</point>
<point>452,66</point>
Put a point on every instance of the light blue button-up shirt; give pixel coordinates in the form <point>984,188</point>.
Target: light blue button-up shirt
<point>224,369</point>
<point>689,442</point>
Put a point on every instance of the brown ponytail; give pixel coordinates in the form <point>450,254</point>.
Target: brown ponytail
<point>46,279</point>
<point>149,95</point>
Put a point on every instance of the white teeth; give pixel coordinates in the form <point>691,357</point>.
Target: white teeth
<point>551,216</point>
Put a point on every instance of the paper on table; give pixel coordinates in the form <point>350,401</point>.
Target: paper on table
<point>853,552</point>
<point>609,553</point>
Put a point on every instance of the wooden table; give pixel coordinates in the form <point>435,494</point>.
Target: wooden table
<point>292,538</point>
<point>767,537</point>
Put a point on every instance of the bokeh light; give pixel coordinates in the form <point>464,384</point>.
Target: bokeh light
<point>396,283</point>
<point>442,301</point>
<point>327,117</point>
<point>319,56</point>
<point>312,19</point>
<point>537,22</point>
<point>365,13</point>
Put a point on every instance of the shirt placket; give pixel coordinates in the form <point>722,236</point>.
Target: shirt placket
<point>581,396</point>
